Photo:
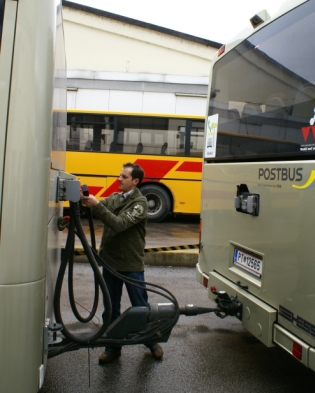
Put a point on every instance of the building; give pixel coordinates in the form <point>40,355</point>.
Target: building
<point>119,64</point>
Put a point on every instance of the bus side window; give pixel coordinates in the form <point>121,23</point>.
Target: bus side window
<point>88,145</point>
<point>164,148</point>
<point>107,139</point>
<point>139,148</point>
<point>119,147</point>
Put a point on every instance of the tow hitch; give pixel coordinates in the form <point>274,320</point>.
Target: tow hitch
<point>227,305</point>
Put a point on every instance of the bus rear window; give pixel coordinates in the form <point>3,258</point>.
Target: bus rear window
<point>264,92</point>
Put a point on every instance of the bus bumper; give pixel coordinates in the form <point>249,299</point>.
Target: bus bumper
<point>258,317</point>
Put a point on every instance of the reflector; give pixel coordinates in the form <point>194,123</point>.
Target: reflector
<point>297,350</point>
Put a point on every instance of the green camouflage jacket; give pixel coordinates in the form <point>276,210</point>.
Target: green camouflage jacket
<point>123,240</point>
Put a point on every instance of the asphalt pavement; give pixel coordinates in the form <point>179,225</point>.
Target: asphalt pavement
<point>203,354</point>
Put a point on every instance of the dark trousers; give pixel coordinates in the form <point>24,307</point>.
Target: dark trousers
<point>138,296</point>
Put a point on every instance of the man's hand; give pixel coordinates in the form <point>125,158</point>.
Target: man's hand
<point>89,201</point>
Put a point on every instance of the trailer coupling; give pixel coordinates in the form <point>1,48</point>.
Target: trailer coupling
<point>227,305</point>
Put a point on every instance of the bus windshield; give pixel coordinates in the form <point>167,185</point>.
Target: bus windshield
<point>264,93</point>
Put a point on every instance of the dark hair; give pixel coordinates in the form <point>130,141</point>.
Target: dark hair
<point>136,173</point>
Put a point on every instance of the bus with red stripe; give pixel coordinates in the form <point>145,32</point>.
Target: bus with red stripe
<point>168,147</point>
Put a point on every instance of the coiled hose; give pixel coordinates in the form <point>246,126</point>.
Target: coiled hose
<point>75,224</point>
<point>75,228</point>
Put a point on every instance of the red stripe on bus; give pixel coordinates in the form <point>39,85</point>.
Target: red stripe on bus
<point>93,190</point>
<point>111,189</point>
<point>156,168</point>
<point>190,167</point>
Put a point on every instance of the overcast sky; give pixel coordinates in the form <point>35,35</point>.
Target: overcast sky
<point>218,20</point>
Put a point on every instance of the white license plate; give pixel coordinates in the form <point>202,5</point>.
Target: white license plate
<point>248,262</point>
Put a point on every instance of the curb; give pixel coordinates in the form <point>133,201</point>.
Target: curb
<point>172,258</point>
<point>173,248</point>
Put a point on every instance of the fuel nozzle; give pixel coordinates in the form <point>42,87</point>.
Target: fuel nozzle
<point>227,305</point>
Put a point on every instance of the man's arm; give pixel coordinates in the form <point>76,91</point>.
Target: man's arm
<point>135,213</point>
<point>89,201</point>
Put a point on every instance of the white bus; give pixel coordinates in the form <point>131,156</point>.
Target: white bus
<point>258,194</point>
<point>32,155</point>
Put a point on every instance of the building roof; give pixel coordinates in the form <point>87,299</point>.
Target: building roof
<point>139,23</point>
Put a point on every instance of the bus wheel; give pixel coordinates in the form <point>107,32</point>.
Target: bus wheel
<point>159,203</point>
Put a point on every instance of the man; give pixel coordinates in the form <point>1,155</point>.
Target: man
<point>124,216</point>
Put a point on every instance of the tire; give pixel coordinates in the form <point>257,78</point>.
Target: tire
<point>159,202</point>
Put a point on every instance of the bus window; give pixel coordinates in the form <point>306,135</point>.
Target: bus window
<point>90,133</point>
<point>135,134</point>
<point>271,89</point>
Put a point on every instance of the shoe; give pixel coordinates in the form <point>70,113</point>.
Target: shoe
<point>157,351</point>
<point>108,356</point>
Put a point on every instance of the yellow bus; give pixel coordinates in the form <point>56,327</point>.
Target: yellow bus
<point>168,146</point>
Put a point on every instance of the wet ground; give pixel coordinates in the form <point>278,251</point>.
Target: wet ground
<point>203,354</point>
<point>173,231</point>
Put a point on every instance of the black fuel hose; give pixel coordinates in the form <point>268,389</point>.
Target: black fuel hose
<point>70,278</point>
<point>75,224</point>
<point>71,293</point>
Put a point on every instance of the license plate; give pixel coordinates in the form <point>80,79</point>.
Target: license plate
<point>248,262</point>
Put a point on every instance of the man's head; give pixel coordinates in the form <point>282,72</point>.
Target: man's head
<point>130,177</point>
